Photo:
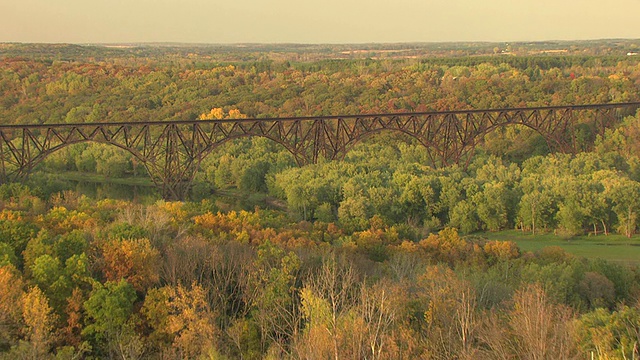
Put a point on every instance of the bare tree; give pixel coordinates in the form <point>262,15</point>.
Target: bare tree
<point>540,329</point>
<point>378,309</point>
<point>327,300</point>
<point>450,316</point>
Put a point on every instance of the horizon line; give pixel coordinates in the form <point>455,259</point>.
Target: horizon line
<point>319,43</point>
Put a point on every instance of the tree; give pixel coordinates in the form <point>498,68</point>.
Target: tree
<point>305,189</point>
<point>559,279</point>
<point>499,251</point>
<point>253,177</point>
<point>327,302</point>
<point>325,213</point>
<point>450,319</point>
<point>610,335</point>
<point>156,313</point>
<point>464,217</point>
<point>67,245</point>
<point>353,213</point>
<point>110,321</point>
<point>190,321</point>
<point>597,290</point>
<point>275,306</point>
<point>39,322</point>
<point>493,206</point>
<point>417,200</point>
<point>11,295</point>
<point>41,244</point>
<point>535,210</point>
<point>59,280</point>
<point>46,270</point>
<point>570,218</point>
<point>626,202</point>
<point>597,203</point>
<point>74,314</point>
<point>7,255</point>
<point>447,246</point>
<point>542,329</point>
<point>134,260</point>
<point>113,162</point>
<point>378,309</point>
<point>16,231</point>
<point>572,210</point>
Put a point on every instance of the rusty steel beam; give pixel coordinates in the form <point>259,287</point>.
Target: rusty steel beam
<point>172,151</point>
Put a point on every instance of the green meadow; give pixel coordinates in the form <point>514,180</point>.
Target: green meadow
<point>612,247</point>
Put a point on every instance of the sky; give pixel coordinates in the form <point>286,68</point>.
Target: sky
<point>325,21</point>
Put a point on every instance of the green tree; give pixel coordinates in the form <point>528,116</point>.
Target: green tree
<point>110,319</point>
<point>535,210</point>
<point>493,206</point>
<point>464,217</point>
<point>16,232</point>
<point>627,206</point>
<point>353,213</point>
<point>67,245</point>
<point>610,335</point>
<point>7,255</point>
<point>41,244</point>
<point>46,270</point>
<point>274,306</point>
<point>570,218</point>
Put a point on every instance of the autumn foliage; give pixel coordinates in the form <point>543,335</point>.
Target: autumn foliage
<point>380,255</point>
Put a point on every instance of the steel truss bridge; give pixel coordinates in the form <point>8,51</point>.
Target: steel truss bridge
<point>172,151</point>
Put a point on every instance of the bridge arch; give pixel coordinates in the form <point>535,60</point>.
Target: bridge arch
<point>554,143</point>
<point>42,156</point>
<point>347,147</point>
<point>298,157</point>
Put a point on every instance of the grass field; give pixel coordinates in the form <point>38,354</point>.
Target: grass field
<point>612,247</point>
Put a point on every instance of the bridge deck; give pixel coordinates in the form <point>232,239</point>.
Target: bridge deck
<point>330,117</point>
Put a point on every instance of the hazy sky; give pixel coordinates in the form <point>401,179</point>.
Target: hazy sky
<point>324,21</point>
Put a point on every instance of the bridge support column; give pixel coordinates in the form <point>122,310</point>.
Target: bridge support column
<point>174,182</point>
<point>174,161</point>
<point>176,191</point>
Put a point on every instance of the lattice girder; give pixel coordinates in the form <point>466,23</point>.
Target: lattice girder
<point>172,151</point>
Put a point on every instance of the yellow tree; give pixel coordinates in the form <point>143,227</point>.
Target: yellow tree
<point>214,114</point>
<point>39,322</point>
<point>218,114</point>
<point>11,293</point>
<point>191,321</point>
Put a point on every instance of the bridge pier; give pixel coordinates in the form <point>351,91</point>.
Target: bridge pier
<point>176,192</point>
